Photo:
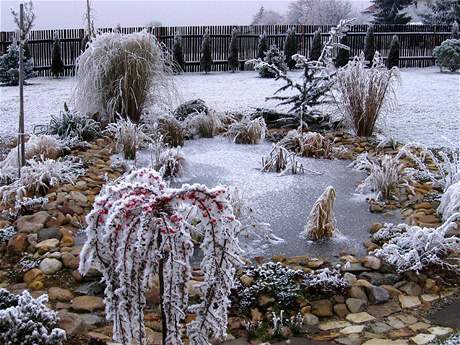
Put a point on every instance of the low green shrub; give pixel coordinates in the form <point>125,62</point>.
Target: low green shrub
<point>448,55</point>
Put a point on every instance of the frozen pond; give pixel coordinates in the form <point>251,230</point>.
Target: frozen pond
<point>284,201</point>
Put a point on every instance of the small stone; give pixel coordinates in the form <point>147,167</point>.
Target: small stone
<point>49,233</point>
<point>395,323</point>
<point>36,285</point>
<point>437,330</point>
<point>384,310</point>
<point>67,241</point>
<point>58,294</point>
<point>352,329</point>
<point>70,261</point>
<point>246,280</point>
<point>380,327</point>
<point>375,227</point>
<point>372,262</point>
<point>17,244</point>
<point>350,278</point>
<point>32,223</point>
<point>385,342</point>
<point>407,319</point>
<point>33,274</point>
<point>358,292</point>
<point>409,301</point>
<point>356,305</point>
<point>87,303</point>
<point>79,198</point>
<point>322,308</point>
<point>360,317</point>
<point>71,323</point>
<point>47,245</point>
<point>50,266</point>
<point>377,295</point>
<point>412,289</point>
<point>429,298</point>
<point>310,319</point>
<point>422,339</point>
<point>327,326</point>
<point>341,310</point>
<point>419,326</point>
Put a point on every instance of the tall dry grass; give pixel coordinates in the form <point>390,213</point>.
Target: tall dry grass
<point>365,94</point>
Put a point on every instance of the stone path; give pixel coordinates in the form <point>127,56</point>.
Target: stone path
<point>448,316</point>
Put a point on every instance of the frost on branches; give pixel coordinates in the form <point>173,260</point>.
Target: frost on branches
<point>450,201</point>
<point>412,248</point>
<point>139,227</point>
<point>27,321</point>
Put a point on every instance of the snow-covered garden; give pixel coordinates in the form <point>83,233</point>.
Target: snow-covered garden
<point>315,198</point>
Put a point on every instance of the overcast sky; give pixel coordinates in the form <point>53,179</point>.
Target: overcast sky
<point>108,13</point>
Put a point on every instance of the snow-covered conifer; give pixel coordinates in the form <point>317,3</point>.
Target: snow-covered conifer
<point>9,66</point>
<point>393,55</point>
<point>343,54</point>
<point>178,52</point>
<point>233,62</point>
<point>369,45</point>
<point>262,45</point>
<point>316,46</point>
<point>290,47</point>
<point>206,53</point>
<point>57,66</point>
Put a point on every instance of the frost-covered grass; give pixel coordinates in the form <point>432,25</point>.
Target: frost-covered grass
<point>450,201</point>
<point>416,118</point>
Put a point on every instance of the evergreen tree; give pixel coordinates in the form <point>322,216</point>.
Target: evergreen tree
<point>290,47</point>
<point>316,46</point>
<point>273,56</point>
<point>455,33</point>
<point>57,66</point>
<point>391,11</point>
<point>262,46</point>
<point>443,12</point>
<point>9,66</point>
<point>233,62</point>
<point>369,44</point>
<point>178,54</point>
<point>343,55</point>
<point>393,55</point>
<point>206,54</point>
<point>258,16</point>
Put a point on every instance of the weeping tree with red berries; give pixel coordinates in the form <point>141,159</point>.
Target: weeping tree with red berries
<point>140,228</point>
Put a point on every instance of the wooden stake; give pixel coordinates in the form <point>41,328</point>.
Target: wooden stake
<point>21,153</point>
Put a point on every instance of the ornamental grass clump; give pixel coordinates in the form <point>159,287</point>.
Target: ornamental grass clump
<point>138,228</point>
<point>450,201</point>
<point>309,144</point>
<point>366,93</point>
<point>203,124</point>
<point>321,223</point>
<point>247,131</point>
<point>129,137</point>
<point>172,131</point>
<point>281,161</point>
<point>123,74</point>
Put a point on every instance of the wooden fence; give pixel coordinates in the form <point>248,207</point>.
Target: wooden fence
<point>417,42</point>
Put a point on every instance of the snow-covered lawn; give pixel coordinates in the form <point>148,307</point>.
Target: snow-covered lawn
<point>428,108</point>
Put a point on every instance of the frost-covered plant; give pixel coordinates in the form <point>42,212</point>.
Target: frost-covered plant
<point>38,176</point>
<point>281,161</point>
<point>129,137</point>
<point>123,74</point>
<point>8,175</point>
<point>448,55</point>
<point>171,163</point>
<point>273,57</point>
<point>389,231</point>
<point>309,144</point>
<point>6,234</point>
<point>419,248</point>
<point>446,164</point>
<point>9,66</point>
<point>317,78</point>
<point>274,280</point>
<point>385,175</point>
<point>321,223</point>
<point>365,93</point>
<point>248,131</point>
<point>27,205</point>
<point>172,131</point>
<point>450,201</point>
<point>26,263</point>
<point>325,282</point>
<point>202,124</point>
<point>71,125</point>
<point>27,321</point>
<point>139,227</point>
<point>47,146</point>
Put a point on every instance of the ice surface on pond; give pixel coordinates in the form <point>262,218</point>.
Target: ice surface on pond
<point>282,201</point>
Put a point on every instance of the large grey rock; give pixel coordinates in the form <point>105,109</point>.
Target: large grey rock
<point>377,295</point>
<point>50,266</point>
<point>48,233</point>
<point>356,305</point>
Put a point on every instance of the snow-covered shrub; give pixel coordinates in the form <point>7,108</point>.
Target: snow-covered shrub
<point>46,146</point>
<point>71,125</point>
<point>38,176</point>
<point>171,163</point>
<point>453,339</point>
<point>129,137</point>
<point>389,231</point>
<point>172,131</point>
<point>27,321</point>
<point>419,248</point>
<point>273,57</point>
<point>321,223</point>
<point>365,93</point>
<point>446,164</point>
<point>274,280</point>
<point>7,175</point>
<point>28,205</point>
<point>248,131</point>
<point>325,282</point>
<point>202,124</point>
<point>281,161</point>
<point>6,234</point>
<point>9,66</point>
<point>450,201</point>
<point>190,107</point>
<point>385,175</point>
<point>309,144</point>
<point>139,227</point>
<point>448,55</point>
<point>123,74</point>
